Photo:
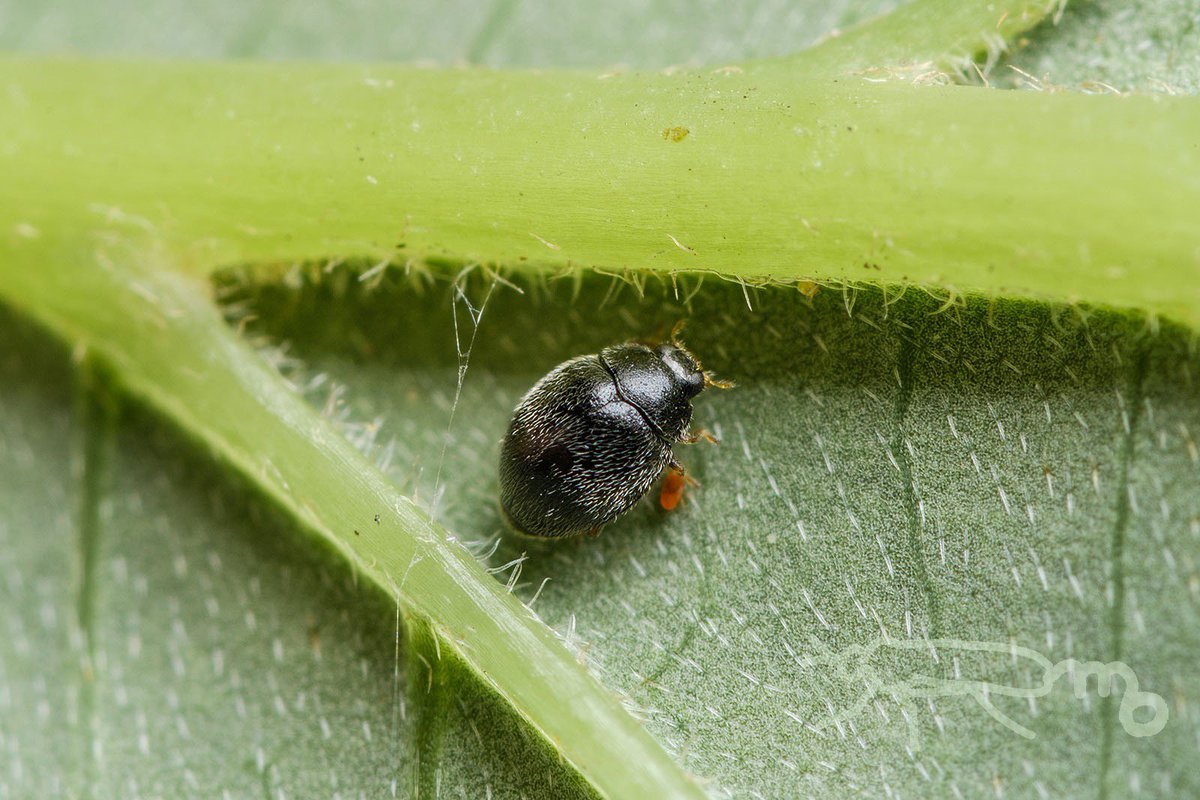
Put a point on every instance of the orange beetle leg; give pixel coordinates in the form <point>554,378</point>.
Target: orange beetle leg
<point>674,483</point>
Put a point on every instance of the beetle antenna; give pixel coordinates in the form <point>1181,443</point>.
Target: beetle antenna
<point>716,383</point>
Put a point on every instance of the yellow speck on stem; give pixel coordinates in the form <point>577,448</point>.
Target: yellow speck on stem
<point>675,134</point>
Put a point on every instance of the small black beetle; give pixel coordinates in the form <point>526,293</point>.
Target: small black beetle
<point>588,440</point>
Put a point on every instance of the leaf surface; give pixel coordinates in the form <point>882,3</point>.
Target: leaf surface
<point>995,474</point>
<point>906,505</point>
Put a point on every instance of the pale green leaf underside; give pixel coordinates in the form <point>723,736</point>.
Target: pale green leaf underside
<point>200,688</point>
<point>996,475</point>
<point>504,33</point>
<point>1126,45</point>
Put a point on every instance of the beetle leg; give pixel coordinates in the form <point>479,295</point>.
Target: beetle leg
<point>675,331</point>
<point>592,533</point>
<point>678,469</point>
<point>698,435</point>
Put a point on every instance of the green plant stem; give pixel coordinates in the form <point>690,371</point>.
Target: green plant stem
<point>1066,197</point>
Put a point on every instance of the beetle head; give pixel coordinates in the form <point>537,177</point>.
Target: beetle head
<point>683,366</point>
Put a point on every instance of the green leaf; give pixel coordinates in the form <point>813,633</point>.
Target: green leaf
<point>736,627</point>
<point>967,489</point>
